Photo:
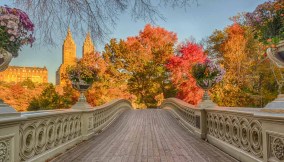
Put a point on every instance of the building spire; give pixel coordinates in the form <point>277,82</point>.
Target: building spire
<point>88,46</point>
<point>69,31</point>
<point>69,34</point>
<point>68,58</point>
<point>69,49</point>
<point>88,38</point>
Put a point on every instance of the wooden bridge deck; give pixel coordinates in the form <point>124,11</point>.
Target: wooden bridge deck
<point>145,135</point>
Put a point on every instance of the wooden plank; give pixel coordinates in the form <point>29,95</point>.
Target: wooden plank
<point>145,135</point>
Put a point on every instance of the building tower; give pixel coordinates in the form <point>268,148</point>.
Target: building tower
<point>88,46</point>
<point>68,58</point>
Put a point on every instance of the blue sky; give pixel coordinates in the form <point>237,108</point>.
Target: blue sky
<point>197,21</point>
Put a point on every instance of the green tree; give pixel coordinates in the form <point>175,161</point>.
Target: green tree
<point>28,83</point>
<point>69,97</point>
<point>49,99</point>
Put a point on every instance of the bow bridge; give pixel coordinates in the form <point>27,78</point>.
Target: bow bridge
<point>176,131</point>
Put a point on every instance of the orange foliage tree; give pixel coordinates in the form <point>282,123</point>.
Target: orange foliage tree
<point>139,62</point>
<point>19,95</point>
<point>180,66</point>
<point>248,81</point>
<point>107,87</point>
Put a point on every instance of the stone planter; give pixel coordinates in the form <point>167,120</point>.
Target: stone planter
<point>206,101</point>
<point>205,87</point>
<point>82,87</point>
<point>5,59</point>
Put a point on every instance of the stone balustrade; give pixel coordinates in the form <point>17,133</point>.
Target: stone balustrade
<point>248,134</point>
<point>41,135</point>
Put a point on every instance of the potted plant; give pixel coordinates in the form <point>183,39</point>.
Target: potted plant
<point>16,30</point>
<point>82,76</point>
<point>207,74</point>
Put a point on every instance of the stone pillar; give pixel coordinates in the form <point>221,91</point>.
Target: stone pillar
<point>272,136</point>
<point>206,102</point>
<point>87,124</point>
<point>201,123</point>
<point>9,133</point>
<point>82,103</point>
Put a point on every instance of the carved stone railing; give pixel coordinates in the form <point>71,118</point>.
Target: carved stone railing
<point>41,135</point>
<point>189,115</point>
<point>248,134</point>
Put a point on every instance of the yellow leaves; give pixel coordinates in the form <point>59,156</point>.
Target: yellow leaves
<point>245,82</point>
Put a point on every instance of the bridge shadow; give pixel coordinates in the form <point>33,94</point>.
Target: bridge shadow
<point>145,135</point>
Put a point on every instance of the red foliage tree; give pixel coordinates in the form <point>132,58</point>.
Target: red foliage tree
<point>180,66</point>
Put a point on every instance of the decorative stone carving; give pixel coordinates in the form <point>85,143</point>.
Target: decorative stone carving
<point>3,151</point>
<point>40,135</point>
<point>5,148</point>
<point>237,130</point>
<point>278,148</point>
<point>90,124</point>
<point>50,135</point>
<point>275,146</point>
<point>197,121</point>
<point>255,138</point>
<point>4,154</point>
<point>5,59</point>
<point>228,129</point>
<point>187,114</point>
<point>100,116</point>
<point>244,134</point>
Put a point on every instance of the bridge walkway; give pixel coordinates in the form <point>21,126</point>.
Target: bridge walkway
<point>145,135</point>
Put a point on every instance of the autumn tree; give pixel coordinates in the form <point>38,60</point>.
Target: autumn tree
<point>247,82</point>
<point>49,99</point>
<point>19,95</point>
<point>68,97</point>
<point>180,67</point>
<point>104,89</point>
<point>28,83</point>
<point>214,45</point>
<point>140,62</point>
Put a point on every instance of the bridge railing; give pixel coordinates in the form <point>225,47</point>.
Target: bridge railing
<point>188,115</point>
<point>248,134</point>
<point>40,135</point>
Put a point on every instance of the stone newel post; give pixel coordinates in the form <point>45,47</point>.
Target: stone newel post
<point>9,133</point>
<point>206,101</point>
